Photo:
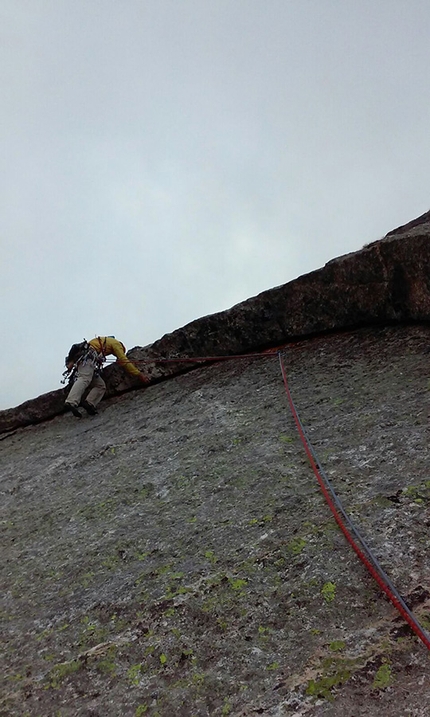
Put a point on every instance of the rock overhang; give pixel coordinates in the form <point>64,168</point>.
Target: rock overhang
<point>385,282</point>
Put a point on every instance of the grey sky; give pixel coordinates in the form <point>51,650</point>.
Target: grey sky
<point>165,159</point>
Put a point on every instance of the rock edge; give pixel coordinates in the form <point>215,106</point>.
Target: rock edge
<point>386,282</point>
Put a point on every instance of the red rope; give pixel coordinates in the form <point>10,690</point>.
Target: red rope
<point>197,359</point>
<point>402,608</point>
<point>418,630</point>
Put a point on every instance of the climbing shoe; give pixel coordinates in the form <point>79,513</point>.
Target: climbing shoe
<point>73,409</point>
<point>89,408</point>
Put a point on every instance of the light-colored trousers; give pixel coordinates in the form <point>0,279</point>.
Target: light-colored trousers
<point>85,377</point>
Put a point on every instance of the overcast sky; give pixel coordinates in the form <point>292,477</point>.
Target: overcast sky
<point>165,159</point>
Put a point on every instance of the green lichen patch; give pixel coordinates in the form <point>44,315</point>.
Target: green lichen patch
<point>328,591</point>
<point>325,685</point>
<point>337,645</point>
<point>384,677</point>
<point>296,546</point>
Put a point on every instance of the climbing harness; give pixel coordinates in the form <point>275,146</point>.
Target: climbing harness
<point>92,357</point>
<point>81,355</point>
<point>102,345</point>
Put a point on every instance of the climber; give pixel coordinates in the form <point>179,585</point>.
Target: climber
<point>83,364</point>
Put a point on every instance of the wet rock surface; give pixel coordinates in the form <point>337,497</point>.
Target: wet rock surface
<point>174,555</point>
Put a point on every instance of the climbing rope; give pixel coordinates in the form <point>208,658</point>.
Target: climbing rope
<point>344,522</point>
<point>364,552</point>
<point>198,359</point>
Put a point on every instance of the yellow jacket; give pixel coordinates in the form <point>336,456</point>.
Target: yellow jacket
<point>108,345</point>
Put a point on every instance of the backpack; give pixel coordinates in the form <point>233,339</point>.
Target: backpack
<point>76,351</point>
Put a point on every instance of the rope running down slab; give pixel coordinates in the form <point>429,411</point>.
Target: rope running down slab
<point>364,552</point>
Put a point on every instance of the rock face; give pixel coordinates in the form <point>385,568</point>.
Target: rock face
<point>386,282</point>
<point>173,555</point>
